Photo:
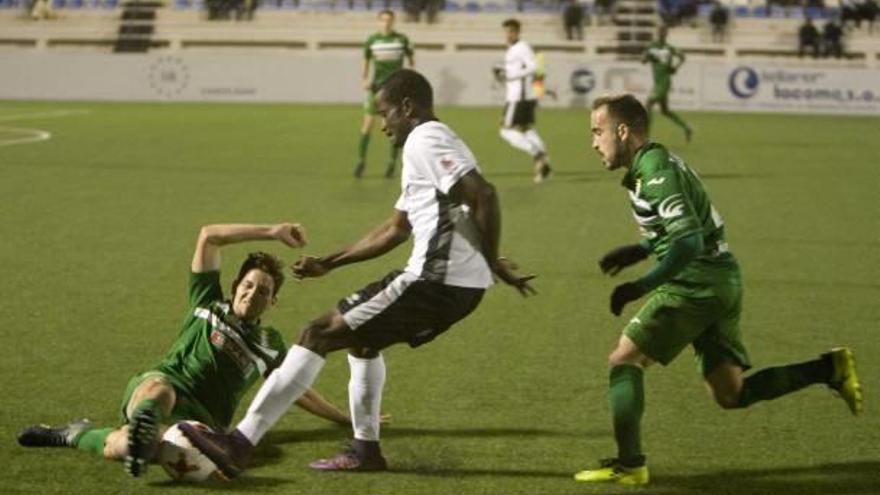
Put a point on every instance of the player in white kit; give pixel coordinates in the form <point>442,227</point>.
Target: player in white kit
<point>517,123</point>
<point>453,215</point>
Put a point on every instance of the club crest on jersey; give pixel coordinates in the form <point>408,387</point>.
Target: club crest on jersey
<point>217,338</point>
<point>671,207</point>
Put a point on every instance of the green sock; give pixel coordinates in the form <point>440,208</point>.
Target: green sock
<point>771,383</point>
<point>362,146</point>
<point>392,157</point>
<point>626,393</point>
<point>93,440</point>
<point>678,120</point>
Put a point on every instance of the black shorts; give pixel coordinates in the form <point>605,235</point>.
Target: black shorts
<point>405,308</point>
<point>519,113</point>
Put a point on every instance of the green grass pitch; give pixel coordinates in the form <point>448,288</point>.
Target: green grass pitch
<point>99,221</point>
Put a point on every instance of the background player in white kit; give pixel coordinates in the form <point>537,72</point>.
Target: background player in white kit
<point>517,123</point>
<point>453,215</point>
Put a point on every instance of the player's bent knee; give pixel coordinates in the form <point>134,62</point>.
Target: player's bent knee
<point>116,445</point>
<point>727,401</point>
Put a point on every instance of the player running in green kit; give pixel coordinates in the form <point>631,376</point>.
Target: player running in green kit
<point>695,293</point>
<point>221,351</point>
<point>665,60</point>
<point>386,49</point>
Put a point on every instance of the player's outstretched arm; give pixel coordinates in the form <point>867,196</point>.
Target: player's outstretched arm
<point>387,236</point>
<point>482,199</point>
<point>314,403</point>
<point>206,257</point>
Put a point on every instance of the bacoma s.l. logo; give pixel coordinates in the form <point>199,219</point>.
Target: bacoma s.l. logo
<point>743,82</point>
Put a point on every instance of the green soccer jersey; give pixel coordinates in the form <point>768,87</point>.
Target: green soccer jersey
<point>662,57</point>
<point>387,53</point>
<point>217,357</point>
<point>669,202</point>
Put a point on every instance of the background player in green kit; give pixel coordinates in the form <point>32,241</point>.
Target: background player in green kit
<point>665,60</point>
<point>695,293</point>
<point>221,351</point>
<point>386,50</point>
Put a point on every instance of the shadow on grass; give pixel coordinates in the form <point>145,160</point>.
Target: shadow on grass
<point>323,434</point>
<point>452,472</point>
<point>246,483</point>
<point>859,477</point>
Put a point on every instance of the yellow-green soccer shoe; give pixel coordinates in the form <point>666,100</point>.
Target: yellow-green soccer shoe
<point>844,379</point>
<point>611,471</point>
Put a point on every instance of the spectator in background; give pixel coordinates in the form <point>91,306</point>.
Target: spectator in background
<point>832,36</point>
<point>573,20</point>
<point>42,9</point>
<point>603,9</point>
<point>849,12</point>
<point>868,11</point>
<point>719,17</point>
<point>808,36</point>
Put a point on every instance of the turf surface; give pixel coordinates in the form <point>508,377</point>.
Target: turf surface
<point>98,224</point>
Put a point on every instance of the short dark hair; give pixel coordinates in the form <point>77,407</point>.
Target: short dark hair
<point>264,262</point>
<point>511,23</point>
<point>384,12</point>
<point>624,109</point>
<point>407,83</point>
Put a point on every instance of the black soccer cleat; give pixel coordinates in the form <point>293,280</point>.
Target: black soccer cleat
<point>359,169</point>
<point>57,436</point>
<point>230,452</point>
<point>389,171</point>
<point>143,441</point>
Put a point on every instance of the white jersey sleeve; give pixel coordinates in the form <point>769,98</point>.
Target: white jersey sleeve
<point>441,157</point>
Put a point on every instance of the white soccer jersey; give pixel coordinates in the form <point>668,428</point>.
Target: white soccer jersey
<point>519,70</point>
<point>446,240</point>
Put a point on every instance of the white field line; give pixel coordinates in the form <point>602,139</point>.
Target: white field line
<point>29,136</point>
<point>32,135</point>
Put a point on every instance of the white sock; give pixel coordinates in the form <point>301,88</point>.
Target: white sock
<point>535,139</point>
<point>286,384</point>
<point>518,140</point>
<point>365,395</point>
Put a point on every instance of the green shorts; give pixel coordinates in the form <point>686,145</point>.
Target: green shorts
<point>670,320</point>
<point>660,91</point>
<point>370,107</point>
<point>185,407</point>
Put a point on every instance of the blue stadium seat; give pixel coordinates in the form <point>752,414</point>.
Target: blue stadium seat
<point>472,7</point>
<point>759,12</point>
<point>492,7</point>
<point>777,12</point>
<point>451,6</point>
<point>741,11</point>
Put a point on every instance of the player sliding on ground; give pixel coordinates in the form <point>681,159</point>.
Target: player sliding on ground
<point>695,293</point>
<point>453,215</point>
<point>221,351</point>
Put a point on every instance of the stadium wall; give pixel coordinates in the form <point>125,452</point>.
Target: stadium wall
<point>462,78</point>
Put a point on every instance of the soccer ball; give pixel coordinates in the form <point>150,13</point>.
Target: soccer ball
<point>182,461</point>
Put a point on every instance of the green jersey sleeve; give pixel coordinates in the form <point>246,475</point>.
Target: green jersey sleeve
<point>407,45</point>
<point>204,288</point>
<point>662,186</point>
<point>368,51</point>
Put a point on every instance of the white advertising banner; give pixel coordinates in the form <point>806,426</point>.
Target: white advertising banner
<point>459,78</point>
